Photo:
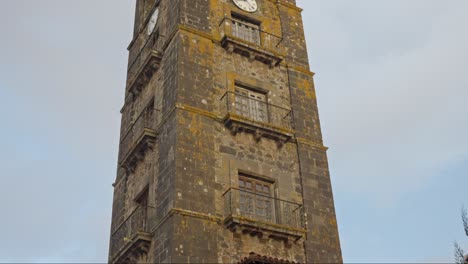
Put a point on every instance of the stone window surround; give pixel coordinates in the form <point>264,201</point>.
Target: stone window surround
<point>257,17</point>
<point>234,79</point>
<point>250,103</point>
<point>262,172</point>
<point>246,21</point>
<point>271,56</point>
<point>255,196</point>
<point>280,188</point>
<point>246,18</point>
<point>280,133</point>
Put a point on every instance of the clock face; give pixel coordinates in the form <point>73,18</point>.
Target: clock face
<point>152,22</point>
<point>246,5</point>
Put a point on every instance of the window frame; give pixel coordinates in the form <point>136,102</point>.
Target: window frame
<point>247,23</point>
<point>250,105</point>
<point>254,203</point>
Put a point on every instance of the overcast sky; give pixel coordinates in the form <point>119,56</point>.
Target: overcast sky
<point>392,85</point>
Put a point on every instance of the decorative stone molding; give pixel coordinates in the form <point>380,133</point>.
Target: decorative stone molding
<point>255,258</point>
<point>263,46</point>
<point>253,52</point>
<point>236,123</point>
<point>275,122</point>
<point>136,250</point>
<point>140,138</point>
<point>151,61</point>
<point>242,225</point>
<point>137,152</point>
<point>283,220</point>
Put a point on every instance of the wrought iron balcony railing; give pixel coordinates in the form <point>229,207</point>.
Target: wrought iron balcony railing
<point>254,207</point>
<point>140,136</point>
<point>144,63</point>
<point>136,228</point>
<point>253,115</point>
<point>249,40</point>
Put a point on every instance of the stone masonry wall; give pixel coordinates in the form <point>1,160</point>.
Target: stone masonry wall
<point>203,142</point>
<point>197,159</point>
<point>157,168</point>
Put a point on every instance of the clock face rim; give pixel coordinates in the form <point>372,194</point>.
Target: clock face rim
<point>236,2</point>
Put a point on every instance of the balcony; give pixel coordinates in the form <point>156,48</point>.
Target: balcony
<point>139,138</point>
<point>263,216</point>
<point>131,239</point>
<point>146,62</point>
<point>249,40</point>
<point>242,113</point>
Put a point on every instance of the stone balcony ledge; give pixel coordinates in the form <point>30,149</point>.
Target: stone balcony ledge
<point>254,52</point>
<point>245,225</point>
<point>254,43</point>
<point>144,70</point>
<point>136,247</point>
<point>263,120</point>
<point>145,62</point>
<point>281,220</point>
<point>131,240</point>
<point>139,138</point>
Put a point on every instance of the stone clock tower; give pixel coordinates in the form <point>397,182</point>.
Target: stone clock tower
<point>221,157</point>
